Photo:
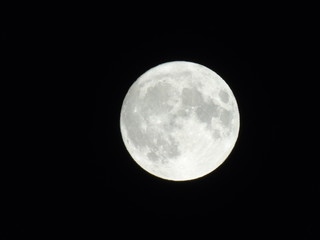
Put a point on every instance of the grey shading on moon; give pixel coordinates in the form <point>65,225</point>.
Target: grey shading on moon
<point>179,121</point>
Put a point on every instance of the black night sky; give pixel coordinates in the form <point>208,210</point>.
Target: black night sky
<point>68,172</point>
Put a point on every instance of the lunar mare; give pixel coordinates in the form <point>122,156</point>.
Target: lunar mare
<point>179,121</point>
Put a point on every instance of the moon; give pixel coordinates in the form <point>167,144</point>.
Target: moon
<point>179,121</point>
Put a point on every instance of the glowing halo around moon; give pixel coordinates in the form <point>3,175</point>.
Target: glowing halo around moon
<point>179,121</point>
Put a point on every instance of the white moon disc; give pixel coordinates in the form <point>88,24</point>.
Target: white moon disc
<point>179,121</point>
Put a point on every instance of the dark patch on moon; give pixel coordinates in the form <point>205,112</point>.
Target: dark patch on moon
<point>172,122</point>
<point>156,100</point>
<point>152,156</point>
<point>183,75</point>
<point>191,97</point>
<point>216,133</point>
<point>184,112</point>
<point>226,117</point>
<point>206,111</point>
<point>224,96</point>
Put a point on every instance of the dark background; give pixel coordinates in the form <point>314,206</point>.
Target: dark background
<point>68,172</point>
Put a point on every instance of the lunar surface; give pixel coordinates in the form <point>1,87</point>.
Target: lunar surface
<point>179,121</point>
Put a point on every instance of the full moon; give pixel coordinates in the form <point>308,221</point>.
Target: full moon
<point>179,121</point>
